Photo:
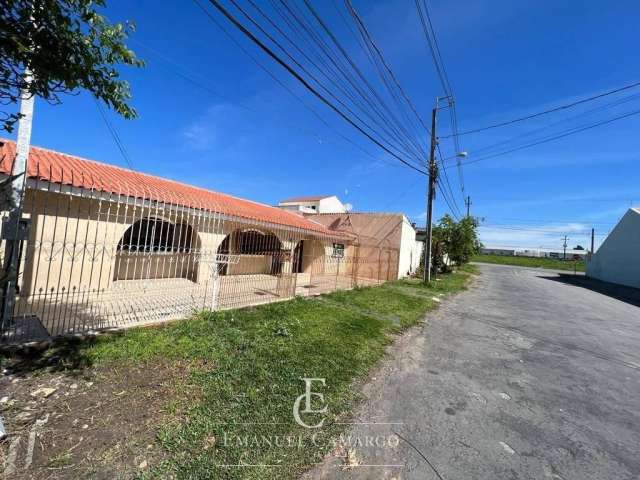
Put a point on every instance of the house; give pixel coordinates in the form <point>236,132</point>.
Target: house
<point>618,258</point>
<point>106,246</point>
<point>379,236</point>
<point>314,204</point>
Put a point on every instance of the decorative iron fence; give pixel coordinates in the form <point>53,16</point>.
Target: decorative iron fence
<point>92,260</point>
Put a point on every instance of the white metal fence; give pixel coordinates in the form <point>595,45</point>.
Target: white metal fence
<point>91,260</point>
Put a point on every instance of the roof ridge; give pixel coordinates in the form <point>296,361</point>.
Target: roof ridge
<point>151,175</point>
<point>174,187</point>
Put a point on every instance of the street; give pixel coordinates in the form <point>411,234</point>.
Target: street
<point>524,376</point>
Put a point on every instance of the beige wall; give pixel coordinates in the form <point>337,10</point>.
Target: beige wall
<point>73,242</point>
<point>247,264</point>
<point>133,266</point>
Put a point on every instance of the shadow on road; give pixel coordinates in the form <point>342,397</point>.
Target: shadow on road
<point>619,292</point>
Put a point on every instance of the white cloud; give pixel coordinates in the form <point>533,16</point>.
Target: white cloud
<point>199,137</point>
<point>207,131</point>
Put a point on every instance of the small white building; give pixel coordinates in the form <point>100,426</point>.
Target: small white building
<point>314,204</point>
<point>618,258</point>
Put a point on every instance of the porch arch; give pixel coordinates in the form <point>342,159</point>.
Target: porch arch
<point>250,251</point>
<point>154,248</point>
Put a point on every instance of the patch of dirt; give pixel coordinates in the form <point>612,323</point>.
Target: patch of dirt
<point>91,423</point>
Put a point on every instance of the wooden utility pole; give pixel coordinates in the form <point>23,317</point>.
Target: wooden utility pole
<point>593,237</point>
<point>467,202</point>
<point>433,174</point>
<point>13,230</point>
<point>564,246</point>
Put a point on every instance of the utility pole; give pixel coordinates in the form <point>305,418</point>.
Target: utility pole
<point>593,238</point>
<point>467,202</point>
<point>564,246</point>
<point>13,230</point>
<point>433,173</point>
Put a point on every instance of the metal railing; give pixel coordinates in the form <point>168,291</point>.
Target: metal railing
<point>94,260</point>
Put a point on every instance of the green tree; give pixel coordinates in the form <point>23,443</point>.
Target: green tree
<point>68,46</point>
<point>457,240</point>
<point>443,234</point>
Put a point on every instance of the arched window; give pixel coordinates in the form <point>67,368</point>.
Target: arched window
<point>254,242</point>
<point>156,235</point>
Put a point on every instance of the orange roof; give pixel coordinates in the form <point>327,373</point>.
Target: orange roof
<point>60,168</point>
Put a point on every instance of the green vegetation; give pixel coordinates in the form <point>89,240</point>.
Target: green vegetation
<point>69,46</point>
<point>551,263</point>
<point>454,243</point>
<point>244,369</point>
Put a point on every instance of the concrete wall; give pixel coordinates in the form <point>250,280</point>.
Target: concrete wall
<point>73,245</point>
<point>409,254</point>
<point>331,205</point>
<point>618,258</point>
<point>324,205</point>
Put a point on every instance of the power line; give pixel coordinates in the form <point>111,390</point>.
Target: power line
<point>540,230</point>
<point>552,138</point>
<point>432,41</point>
<point>274,78</point>
<point>446,178</point>
<point>114,134</point>
<point>387,127</point>
<point>306,84</point>
<point>436,54</point>
<point>360,74</point>
<point>368,40</point>
<point>615,103</point>
<point>523,220</point>
<point>545,112</point>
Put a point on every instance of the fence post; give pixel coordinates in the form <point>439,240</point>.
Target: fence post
<point>215,284</point>
<point>14,230</point>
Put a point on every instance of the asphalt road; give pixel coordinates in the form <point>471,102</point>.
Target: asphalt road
<point>524,376</point>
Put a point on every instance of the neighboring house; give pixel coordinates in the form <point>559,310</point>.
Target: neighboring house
<point>107,246</point>
<point>314,204</point>
<point>618,258</point>
<point>387,236</point>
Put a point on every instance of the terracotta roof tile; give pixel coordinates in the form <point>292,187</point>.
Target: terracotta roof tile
<point>60,168</point>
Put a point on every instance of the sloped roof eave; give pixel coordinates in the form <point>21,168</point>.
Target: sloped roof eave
<point>73,172</point>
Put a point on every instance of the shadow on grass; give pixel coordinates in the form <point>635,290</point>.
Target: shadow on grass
<point>619,292</point>
<point>65,354</point>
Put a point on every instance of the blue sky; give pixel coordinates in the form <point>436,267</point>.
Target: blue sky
<point>504,59</point>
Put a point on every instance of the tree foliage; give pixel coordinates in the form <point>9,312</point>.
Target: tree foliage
<point>457,240</point>
<point>68,46</point>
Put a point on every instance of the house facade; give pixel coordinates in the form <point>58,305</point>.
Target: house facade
<point>107,247</point>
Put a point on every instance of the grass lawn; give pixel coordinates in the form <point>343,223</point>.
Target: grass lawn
<point>220,387</point>
<point>532,262</point>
